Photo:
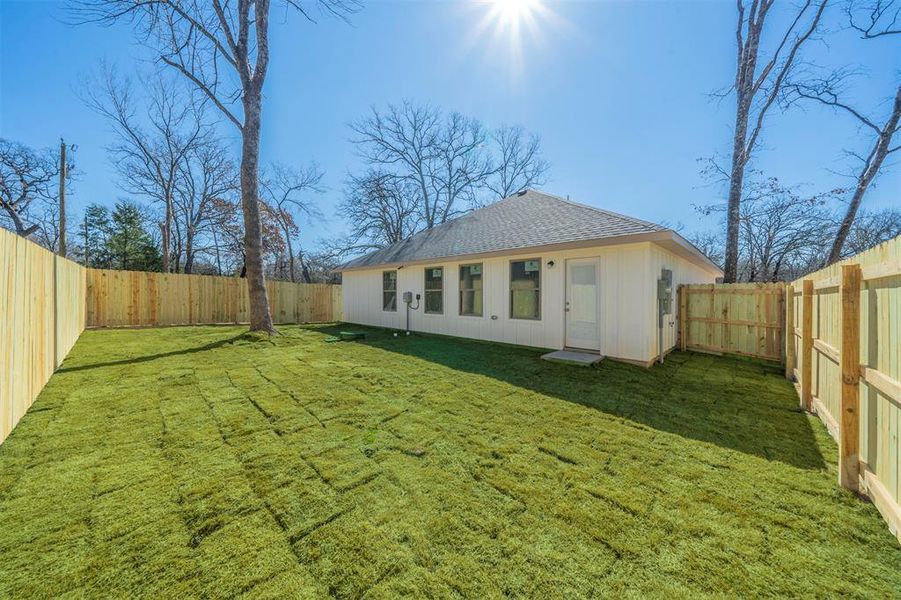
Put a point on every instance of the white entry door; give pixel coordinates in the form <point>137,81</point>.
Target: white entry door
<point>582,327</point>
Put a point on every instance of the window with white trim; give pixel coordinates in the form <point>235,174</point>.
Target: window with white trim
<point>434,290</point>
<point>389,291</point>
<point>525,289</point>
<point>471,290</point>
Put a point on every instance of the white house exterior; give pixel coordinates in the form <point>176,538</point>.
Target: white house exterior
<point>533,270</point>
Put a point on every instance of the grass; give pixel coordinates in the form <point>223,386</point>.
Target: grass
<point>200,462</point>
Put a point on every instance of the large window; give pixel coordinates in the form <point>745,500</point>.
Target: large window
<point>434,290</point>
<point>389,290</point>
<point>471,290</point>
<point>525,289</point>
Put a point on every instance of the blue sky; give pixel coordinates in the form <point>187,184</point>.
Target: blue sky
<point>619,92</point>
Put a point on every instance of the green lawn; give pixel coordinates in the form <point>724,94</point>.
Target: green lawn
<point>197,461</point>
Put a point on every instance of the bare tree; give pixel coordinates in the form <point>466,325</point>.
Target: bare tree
<point>381,209</point>
<point>458,171</point>
<point>874,18</point>
<point>519,162</point>
<point>285,191</point>
<point>28,192</point>
<point>222,47</point>
<point>827,91</point>
<point>871,228</point>
<point>783,233</point>
<point>206,175</point>
<point>446,164</point>
<point>758,84</point>
<point>401,143</point>
<point>149,159</point>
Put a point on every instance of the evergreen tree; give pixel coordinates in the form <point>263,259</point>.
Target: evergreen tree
<point>129,246</point>
<point>96,230</point>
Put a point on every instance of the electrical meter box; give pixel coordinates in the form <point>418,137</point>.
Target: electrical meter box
<point>408,297</point>
<point>665,292</point>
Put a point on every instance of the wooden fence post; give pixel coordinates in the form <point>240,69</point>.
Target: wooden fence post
<point>807,345</point>
<point>683,317</point>
<point>789,295</point>
<point>849,423</point>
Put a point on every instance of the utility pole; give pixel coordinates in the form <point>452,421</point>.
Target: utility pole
<point>87,250</point>
<point>62,198</point>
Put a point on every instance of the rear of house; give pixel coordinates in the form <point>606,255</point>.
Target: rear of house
<point>533,270</point>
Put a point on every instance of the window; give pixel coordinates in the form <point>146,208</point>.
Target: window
<point>389,290</point>
<point>471,290</point>
<point>525,289</point>
<point>434,290</point>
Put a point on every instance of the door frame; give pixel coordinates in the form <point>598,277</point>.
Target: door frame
<point>596,261</point>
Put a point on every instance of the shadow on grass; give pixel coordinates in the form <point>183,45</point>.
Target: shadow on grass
<point>736,403</point>
<point>148,357</point>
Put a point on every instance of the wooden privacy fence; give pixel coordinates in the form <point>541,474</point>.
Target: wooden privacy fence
<point>47,301</point>
<point>41,317</point>
<point>845,355</point>
<point>138,299</point>
<point>734,318</point>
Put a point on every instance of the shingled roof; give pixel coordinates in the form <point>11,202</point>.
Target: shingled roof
<point>524,220</point>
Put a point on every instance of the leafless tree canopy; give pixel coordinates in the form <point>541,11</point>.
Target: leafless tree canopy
<point>518,164</point>
<point>874,18</point>
<point>150,159</point>
<point>206,179</point>
<point>426,167</point>
<point>222,47</point>
<point>381,209</point>
<point>759,78</point>
<point>785,234</point>
<point>288,193</point>
<point>29,194</point>
<point>881,18</point>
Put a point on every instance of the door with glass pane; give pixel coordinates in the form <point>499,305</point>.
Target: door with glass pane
<point>582,328</point>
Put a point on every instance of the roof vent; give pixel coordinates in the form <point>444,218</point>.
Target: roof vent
<point>522,192</point>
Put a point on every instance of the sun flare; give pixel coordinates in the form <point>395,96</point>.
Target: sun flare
<point>512,12</point>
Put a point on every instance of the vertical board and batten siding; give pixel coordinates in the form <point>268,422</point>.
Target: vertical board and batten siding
<point>41,316</point>
<point>140,299</point>
<point>880,365</point>
<point>627,276</point>
<point>734,318</point>
<point>684,272</point>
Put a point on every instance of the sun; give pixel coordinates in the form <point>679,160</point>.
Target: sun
<point>513,12</point>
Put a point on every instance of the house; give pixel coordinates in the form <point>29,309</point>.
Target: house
<point>534,270</point>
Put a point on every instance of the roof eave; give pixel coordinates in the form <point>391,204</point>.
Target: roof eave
<point>633,238</point>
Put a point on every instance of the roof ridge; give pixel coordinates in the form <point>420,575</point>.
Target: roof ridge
<point>602,210</point>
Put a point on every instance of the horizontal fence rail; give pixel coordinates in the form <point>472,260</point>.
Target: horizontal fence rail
<point>142,299</point>
<point>844,352</point>
<point>733,318</point>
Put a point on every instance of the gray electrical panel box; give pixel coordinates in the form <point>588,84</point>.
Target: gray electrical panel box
<point>665,292</point>
<point>408,297</point>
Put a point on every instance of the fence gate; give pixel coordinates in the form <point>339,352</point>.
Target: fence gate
<point>733,318</point>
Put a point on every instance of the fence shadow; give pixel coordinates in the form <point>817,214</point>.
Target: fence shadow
<point>149,357</point>
<point>740,404</point>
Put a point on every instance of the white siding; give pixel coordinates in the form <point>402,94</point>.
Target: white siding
<point>628,275</point>
<point>684,271</point>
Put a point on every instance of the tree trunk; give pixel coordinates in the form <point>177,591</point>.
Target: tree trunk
<point>167,233</point>
<point>218,259</point>
<point>189,251</point>
<point>260,319</point>
<point>736,184</point>
<point>290,257</point>
<point>870,170</point>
